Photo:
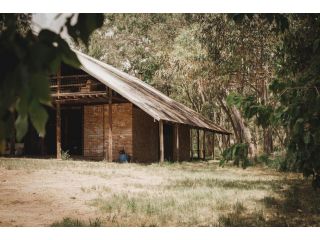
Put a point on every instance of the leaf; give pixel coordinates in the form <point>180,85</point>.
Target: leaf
<point>68,56</point>
<point>86,24</point>
<point>21,125</point>
<point>39,86</point>
<point>22,102</point>
<point>38,116</point>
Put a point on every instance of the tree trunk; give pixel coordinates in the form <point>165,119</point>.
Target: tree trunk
<point>234,124</point>
<point>246,133</point>
<point>267,141</point>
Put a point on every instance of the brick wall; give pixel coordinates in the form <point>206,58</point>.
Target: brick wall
<point>121,128</point>
<point>132,129</point>
<point>92,132</point>
<point>97,116</point>
<point>146,137</point>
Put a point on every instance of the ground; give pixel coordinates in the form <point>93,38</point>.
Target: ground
<point>35,192</point>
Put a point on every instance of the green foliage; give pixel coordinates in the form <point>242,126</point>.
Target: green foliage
<point>265,115</point>
<point>65,155</point>
<point>238,153</point>
<point>86,24</point>
<point>27,60</point>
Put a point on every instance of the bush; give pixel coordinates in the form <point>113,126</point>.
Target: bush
<point>238,153</point>
<point>65,155</point>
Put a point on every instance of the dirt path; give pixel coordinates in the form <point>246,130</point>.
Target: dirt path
<point>39,198</point>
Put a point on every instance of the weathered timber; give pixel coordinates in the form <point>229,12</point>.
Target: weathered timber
<point>161,142</point>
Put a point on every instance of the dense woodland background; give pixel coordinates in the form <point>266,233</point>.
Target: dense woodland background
<point>257,75</point>
<point>253,74</point>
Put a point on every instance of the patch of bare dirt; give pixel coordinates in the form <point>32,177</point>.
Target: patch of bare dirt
<point>41,197</point>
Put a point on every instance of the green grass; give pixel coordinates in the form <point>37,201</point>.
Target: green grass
<point>182,194</point>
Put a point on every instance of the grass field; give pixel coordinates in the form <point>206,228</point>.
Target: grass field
<point>37,192</point>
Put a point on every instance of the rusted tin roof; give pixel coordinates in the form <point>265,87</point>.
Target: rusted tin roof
<point>147,98</point>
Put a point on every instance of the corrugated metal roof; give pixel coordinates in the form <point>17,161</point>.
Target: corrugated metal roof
<point>147,98</point>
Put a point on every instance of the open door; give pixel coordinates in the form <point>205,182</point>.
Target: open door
<point>72,130</point>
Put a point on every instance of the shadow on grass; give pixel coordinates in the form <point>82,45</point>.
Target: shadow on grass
<point>275,185</point>
<point>70,222</point>
<point>299,205</point>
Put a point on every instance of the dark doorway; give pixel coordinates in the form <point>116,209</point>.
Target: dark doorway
<point>37,146</point>
<point>71,130</point>
<point>168,142</point>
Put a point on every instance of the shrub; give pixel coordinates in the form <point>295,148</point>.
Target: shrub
<point>238,153</point>
<point>65,155</point>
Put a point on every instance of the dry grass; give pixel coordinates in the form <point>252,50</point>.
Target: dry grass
<point>187,194</point>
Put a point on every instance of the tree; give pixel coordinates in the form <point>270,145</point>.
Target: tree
<point>27,59</point>
<point>197,59</point>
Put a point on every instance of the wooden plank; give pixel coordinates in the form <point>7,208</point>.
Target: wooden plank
<point>204,145</point>
<point>71,76</point>
<point>110,126</point>
<point>198,143</point>
<point>105,147</point>
<point>58,82</point>
<point>191,144</point>
<point>177,155</point>
<point>58,117</point>
<point>58,130</point>
<point>161,142</point>
<point>213,138</point>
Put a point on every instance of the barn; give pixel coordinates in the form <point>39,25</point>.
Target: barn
<point>100,110</point>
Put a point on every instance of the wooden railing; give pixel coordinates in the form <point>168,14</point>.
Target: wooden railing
<point>75,84</point>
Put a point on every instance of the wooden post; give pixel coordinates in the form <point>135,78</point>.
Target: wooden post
<point>213,137</point>
<point>198,143</point>
<point>58,116</point>
<point>161,142</point>
<point>110,157</point>
<point>204,145</point>
<point>191,144</point>
<point>177,142</point>
<point>105,153</point>
<point>58,129</point>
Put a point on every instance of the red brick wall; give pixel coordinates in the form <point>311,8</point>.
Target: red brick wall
<point>146,137</point>
<point>92,132</point>
<point>95,134</point>
<point>132,129</point>
<point>121,128</point>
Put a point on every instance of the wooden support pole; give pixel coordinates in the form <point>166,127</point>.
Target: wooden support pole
<point>161,142</point>
<point>213,138</point>
<point>177,142</point>
<point>198,143</point>
<point>191,144</point>
<point>204,145</point>
<point>110,157</point>
<point>58,116</point>
<point>58,130</point>
<point>105,153</point>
